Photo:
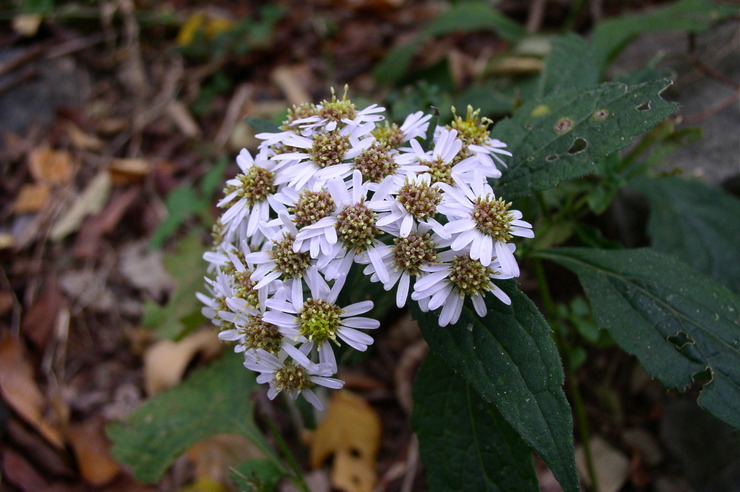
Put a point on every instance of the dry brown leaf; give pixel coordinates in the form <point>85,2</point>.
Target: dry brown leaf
<point>31,198</point>
<point>129,170</point>
<point>20,391</point>
<point>82,140</point>
<point>90,201</point>
<point>39,320</point>
<point>27,25</point>
<point>612,467</point>
<point>181,116</point>
<point>213,457</point>
<point>6,240</point>
<point>50,166</point>
<point>92,450</point>
<point>350,431</point>
<point>165,361</point>
<point>289,81</point>
<point>142,267</point>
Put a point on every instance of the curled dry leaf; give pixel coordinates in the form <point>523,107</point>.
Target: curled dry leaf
<point>31,198</point>
<point>165,361</point>
<point>50,166</point>
<point>20,391</point>
<point>90,201</point>
<point>129,170</point>
<point>92,450</point>
<point>351,432</point>
<point>82,140</point>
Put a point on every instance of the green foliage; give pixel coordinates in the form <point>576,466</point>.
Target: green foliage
<point>256,476</point>
<point>612,35</point>
<point>562,135</point>
<point>464,442</point>
<point>510,359</point>
<point>212,401</point>
<point>694,222</point>
<point>261,125</point>
<point>570,66</point>
<point>462,17</point>
<point>674,319</point>
<point>181,314</point>
<point>183,203</point>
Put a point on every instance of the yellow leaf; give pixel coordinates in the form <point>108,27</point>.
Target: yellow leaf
<point>188,30</point>
<point>50,166</point>
<point>351,431</point>
<point>217,25</point>
<point>31,198</point>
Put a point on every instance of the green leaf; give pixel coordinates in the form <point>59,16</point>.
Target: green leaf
<point>464,442</point>
<point>612,35</point>
<point>674,319</point>
<point>212,401</point>
<point>256,476</point>
<point>561,136</point>
<point>181,203</point>
<point>463,17</point>
<point>187,267</point>
<point>261,125</point>
<point>510,359</point>
<point>693,221</point>
<point>569,66</point>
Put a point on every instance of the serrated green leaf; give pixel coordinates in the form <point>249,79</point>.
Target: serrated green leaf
<point>612,35</point>
<point>694,222</point>
<point>212,401</point>
<point>256,476</point>
<point>261,125</point>
<point>464,442</point>
<point>187,267</point>
<point>512,362</point>
<point>674,319</point>
<point>570,65</point>
<point>463,17</point>
<point>561,136</point>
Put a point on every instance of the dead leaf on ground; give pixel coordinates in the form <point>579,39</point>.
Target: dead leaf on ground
<point>611,465</point>
<point>213,457</point>
<point>351,432</point>
<point>92,450</point>
<point>20,473</point>
<point>82,140</point>
<point>289,78</point>
<point>129,170</point>
<point>39,320</point>
<point>90,201</point>
<point>31,198</point>
<point>165,361</point>
<point>20,390</point>
<point>50,166</point>
<point>143,268</point>
<point>88,289</point>
<point>87,243</point>
<point>27,25</point>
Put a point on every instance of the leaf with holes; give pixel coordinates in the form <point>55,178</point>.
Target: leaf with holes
<point>674,319</point>
<point>510,359</point>
<point>212,401</point>
<point>464,442</point>
<point>692,221</point>
<point>561,136</point>
<point>569,66</point>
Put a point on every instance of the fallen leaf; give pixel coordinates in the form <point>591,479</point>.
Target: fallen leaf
<point>165,361</point>
<point>213,457</point>
<point>50,166</point>
<point>90,201</point>
<point>87,244</point>
<point>351,432</point>
<point>82,140</point>
<point>87,288</point>
<point>27,25</point>
<point>39,320</point>
<point>180,115</point>
<point>611,466</point>
<point>31,198</point>
<point>289,81</point>
<point>20,391</point>
<point>144,269</point>
<point>20,473</point>
<point>92,450</point>
<point>6,240</point>
<point>129,170</point>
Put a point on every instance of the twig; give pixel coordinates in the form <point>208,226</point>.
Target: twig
<point>20,60</point>
<point>536,14</point>
<point>233,112</point>
<point>711,72</point>
<point>412,463</point>
<point>698,118</point>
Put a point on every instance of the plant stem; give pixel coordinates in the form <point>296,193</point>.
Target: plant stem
<point>570,376</point>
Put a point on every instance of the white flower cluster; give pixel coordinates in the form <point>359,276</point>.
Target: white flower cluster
<point>337,187</point>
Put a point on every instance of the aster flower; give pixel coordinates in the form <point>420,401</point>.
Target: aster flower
<point>457,276</point>
<point>249,195</point>
<point>320,321</point>
<point>327,115</point>
<point>323,155</point>
<point>414,126</point>
<point>484,224</point>
<point>290,372</point>
<point>478,143</point>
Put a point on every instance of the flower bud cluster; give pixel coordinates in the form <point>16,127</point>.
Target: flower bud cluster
<point>339,186</point>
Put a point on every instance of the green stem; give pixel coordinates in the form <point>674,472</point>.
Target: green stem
<point>570,376</point>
